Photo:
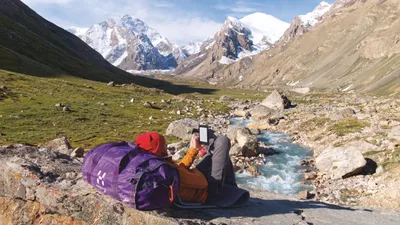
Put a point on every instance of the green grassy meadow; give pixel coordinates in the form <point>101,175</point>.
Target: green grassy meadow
<point>28,112</point>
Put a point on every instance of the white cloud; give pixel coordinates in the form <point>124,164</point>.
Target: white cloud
<point>182,30</point>
<point>177,25</point>
<point>33,2</point>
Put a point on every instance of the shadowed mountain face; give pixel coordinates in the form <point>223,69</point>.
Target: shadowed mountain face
<point>32,45</point>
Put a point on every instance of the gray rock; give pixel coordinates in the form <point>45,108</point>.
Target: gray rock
<point>182,129</point>
<point>364,146</point>
<point>225,98</point>
<point>261,112</point>
<point>148,105</point>
<point>340,162</point>
<point>255,131</point>
<point>111,84</point>
<point>243,138</point>
<point>61,145</point>
<point>235,150</point>
<point>395,134</point>
<point>380,170</point>
<point>248,142</point>
<point>348,112</point>
<point>335,116</point>
<point>66,109</point>
<point>241,113</point>
<point>303,91</point>
<point>276,101</point>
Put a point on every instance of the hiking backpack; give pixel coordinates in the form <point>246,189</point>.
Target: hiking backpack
<point>133,176</point>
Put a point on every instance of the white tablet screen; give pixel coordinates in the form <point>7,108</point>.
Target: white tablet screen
<point>203,134</point>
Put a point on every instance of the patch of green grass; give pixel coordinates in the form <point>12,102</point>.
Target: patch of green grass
<point>314,123</point>
<point>99,113</point>
<point>348,126</point>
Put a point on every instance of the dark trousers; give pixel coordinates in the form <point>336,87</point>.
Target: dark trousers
<point>216,165</point>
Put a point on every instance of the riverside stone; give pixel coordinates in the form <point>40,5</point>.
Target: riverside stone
<point>340,162</point>
<point>261,112</point>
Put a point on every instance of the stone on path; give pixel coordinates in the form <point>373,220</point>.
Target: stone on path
<point>304,195</point>
<point>340,162</point>
<point>276,101</point>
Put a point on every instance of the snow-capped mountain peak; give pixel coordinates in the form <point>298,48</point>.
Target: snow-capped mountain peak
<point>264,27</point>
<point>78,31</point>
<point>312,18</point>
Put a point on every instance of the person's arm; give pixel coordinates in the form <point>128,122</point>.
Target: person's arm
<point>189,158</point>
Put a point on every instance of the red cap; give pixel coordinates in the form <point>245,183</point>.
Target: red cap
<point>152,142</point>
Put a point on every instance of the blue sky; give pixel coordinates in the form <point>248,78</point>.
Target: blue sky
<point>180,21</point>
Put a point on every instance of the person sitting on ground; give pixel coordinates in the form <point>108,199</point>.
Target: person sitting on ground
<point>203,183</point>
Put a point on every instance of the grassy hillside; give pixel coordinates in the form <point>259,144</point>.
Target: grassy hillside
<point>28,112</point>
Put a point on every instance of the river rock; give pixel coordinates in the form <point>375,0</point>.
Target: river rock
<point>261,112</point>
<point>261,125</point>
<point>340,162</point>
<point>241,113</point>
<point>182,129</point>
<point>61,145</point>
<point>244,139</point>
<point>395,134</point>
<point>248,142</point>
<point>235,150</point>
<point>276,101</point>
<point>253,170</point>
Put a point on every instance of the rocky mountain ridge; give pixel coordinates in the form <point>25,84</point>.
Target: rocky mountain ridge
<point>354,48</point>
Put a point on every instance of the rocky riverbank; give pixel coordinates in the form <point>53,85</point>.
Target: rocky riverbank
<point>355,142</point>
<point>41,186</point>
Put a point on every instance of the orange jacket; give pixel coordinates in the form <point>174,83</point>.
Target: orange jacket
<point>193,185</point>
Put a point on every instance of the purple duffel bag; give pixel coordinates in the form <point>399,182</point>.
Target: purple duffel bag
<point>128,174</point>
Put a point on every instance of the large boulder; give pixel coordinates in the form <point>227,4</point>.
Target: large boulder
<point>340,162</point>
<point>182,129</point>
<point>276,101</point>
<point>261,112</point>
<point>61,145</point>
